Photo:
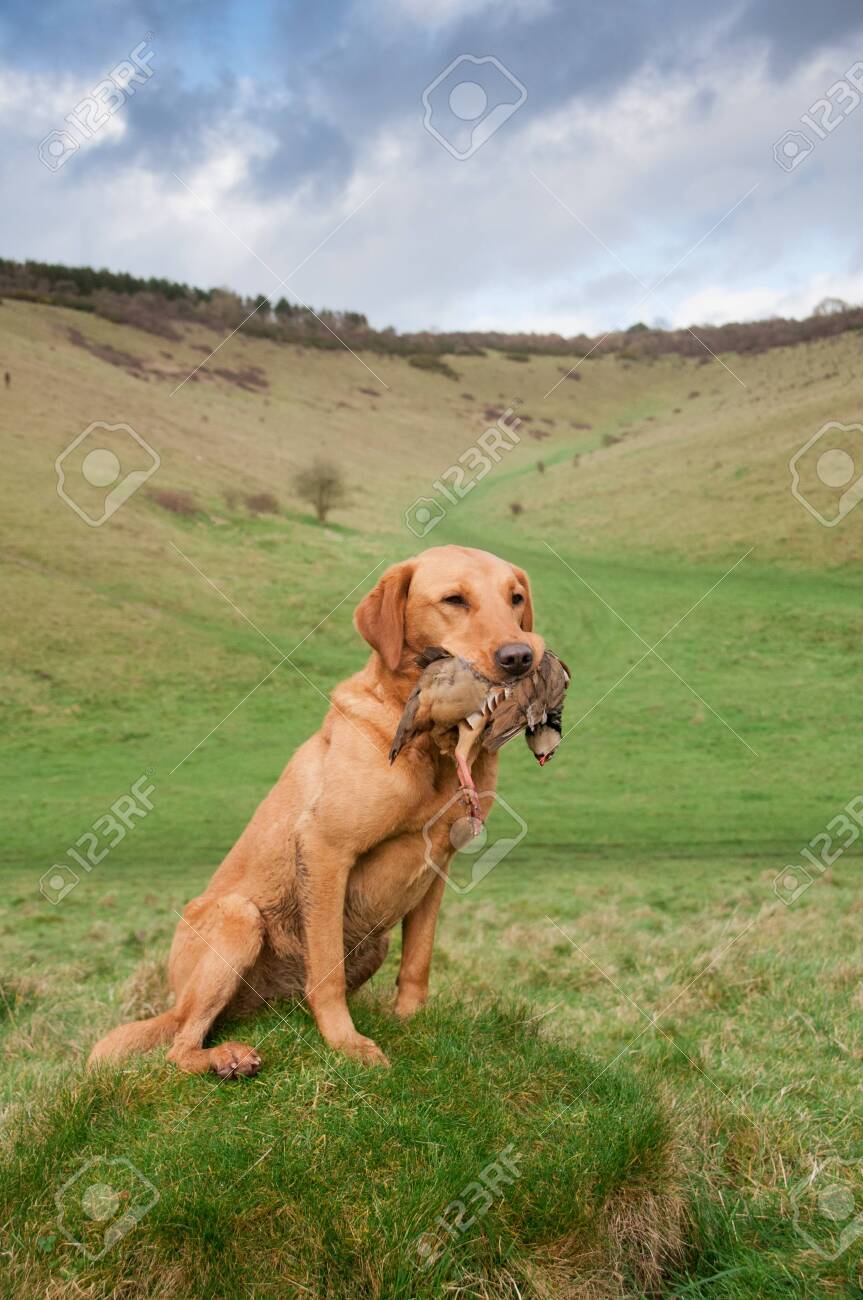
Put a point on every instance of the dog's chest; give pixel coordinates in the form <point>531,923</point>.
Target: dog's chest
<point>389,880</point>
<point>387,883</point>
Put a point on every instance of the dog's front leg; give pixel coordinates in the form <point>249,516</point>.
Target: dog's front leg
<point>324,869</point>
<point>418,931</point>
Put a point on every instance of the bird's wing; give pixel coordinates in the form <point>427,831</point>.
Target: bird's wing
<point>558,680</point>
<point>406,728</point>
<point>510,715</point>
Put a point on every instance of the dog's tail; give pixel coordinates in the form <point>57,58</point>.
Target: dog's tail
<point>136,1036</point>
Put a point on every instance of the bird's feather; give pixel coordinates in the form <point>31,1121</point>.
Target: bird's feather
<point>528,702</point>
<point>452,697</point>
<point>432,654</point>
<point>404,731</point>
<point>448,692</point>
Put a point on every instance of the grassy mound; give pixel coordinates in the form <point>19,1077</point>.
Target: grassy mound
<point>486,1161</point>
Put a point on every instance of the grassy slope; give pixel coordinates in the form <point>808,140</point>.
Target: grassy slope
<point>653,838</point>
<point>351,1195</point>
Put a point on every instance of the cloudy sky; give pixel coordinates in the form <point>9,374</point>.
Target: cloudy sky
<point>592,163</point>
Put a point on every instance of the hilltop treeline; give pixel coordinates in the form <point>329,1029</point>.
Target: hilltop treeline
<point>163,307</point>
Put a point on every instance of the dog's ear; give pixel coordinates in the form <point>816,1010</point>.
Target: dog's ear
<point>527,617</point>
<point>380,616</point>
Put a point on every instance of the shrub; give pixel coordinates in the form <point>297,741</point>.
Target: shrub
<point>428,361</point>
<point>323,486</point>
<point>175,501</point>
<point>262,503</point>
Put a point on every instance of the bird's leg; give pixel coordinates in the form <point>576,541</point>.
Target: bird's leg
<point>468,788</point>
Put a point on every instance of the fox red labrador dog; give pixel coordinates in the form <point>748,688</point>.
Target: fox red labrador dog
<point>335,855</point>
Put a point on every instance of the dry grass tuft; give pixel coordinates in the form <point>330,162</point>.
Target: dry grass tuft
<point>643,1241</point>
<point>145,992</point>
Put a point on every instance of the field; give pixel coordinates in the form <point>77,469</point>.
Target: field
<point>673,1040</point>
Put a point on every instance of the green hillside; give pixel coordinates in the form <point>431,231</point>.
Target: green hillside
<point>195,639</point>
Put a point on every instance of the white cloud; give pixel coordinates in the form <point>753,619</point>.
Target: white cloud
<point>481,244</point>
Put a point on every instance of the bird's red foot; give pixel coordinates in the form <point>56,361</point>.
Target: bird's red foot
<point>470,799</point>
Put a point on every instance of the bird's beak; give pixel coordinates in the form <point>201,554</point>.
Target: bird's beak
<point>543,759</point>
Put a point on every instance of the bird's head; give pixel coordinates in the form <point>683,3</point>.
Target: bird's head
<point>543,742</point>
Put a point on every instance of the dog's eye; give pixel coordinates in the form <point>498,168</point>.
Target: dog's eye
<point>517,598</point>
<point>455,600</point>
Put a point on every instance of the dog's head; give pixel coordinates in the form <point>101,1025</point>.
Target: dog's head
<point>473,603</point>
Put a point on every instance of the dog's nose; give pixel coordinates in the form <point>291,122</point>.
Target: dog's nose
<point>514,658</point>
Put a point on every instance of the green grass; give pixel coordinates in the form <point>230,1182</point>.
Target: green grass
<point>636,919</point>
<point>332,1180</point>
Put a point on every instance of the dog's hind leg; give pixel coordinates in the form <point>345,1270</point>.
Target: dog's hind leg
<point>215,948</point>
<point>211,962</point>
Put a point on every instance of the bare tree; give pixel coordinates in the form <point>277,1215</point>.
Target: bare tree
<point>322,484</point>
<point>831,307</point>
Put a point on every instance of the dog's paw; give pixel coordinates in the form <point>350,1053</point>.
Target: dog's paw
<point>359,1048</point>
<point>231,1060</point>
